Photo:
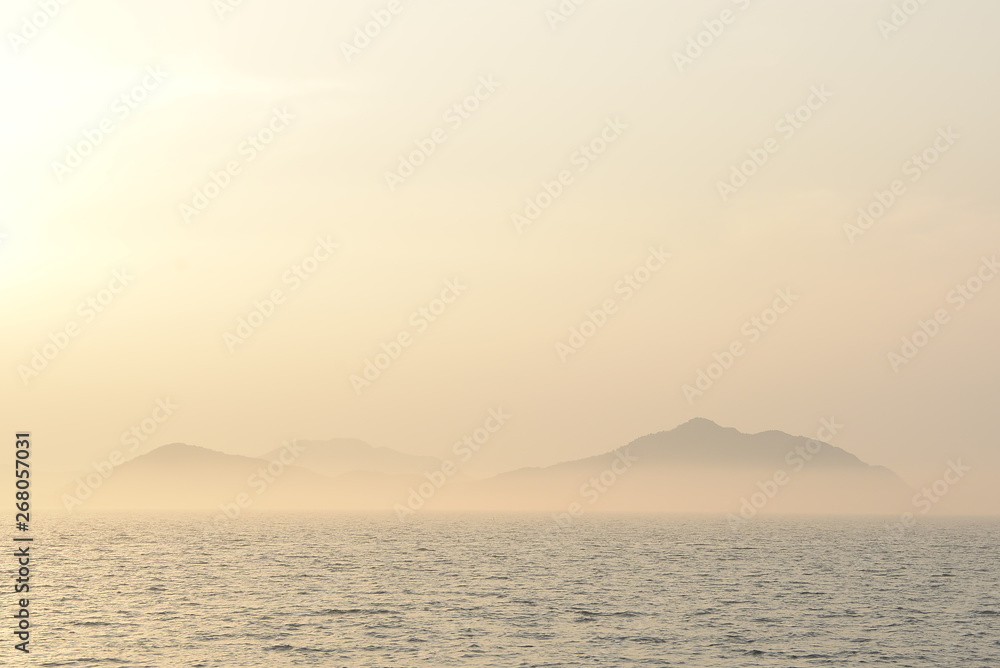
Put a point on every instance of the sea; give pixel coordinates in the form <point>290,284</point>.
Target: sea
<point>510,590</point>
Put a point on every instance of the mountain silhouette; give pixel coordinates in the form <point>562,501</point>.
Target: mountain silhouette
<point>179,476</point>
<point>698,466</point>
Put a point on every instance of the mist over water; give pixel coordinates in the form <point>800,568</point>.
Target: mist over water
<point>516,590</point>
<point>513,333</point>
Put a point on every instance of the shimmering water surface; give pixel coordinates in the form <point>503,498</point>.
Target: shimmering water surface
<point>507,591</point>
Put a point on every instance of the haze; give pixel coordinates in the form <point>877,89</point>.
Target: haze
<point>355,256</point>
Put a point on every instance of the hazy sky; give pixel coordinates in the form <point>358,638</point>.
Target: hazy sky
<point>329,122</point>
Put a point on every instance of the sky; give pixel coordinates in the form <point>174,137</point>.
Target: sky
<point>452,197</point>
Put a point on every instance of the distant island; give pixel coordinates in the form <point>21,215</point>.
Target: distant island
<point>697,467</point>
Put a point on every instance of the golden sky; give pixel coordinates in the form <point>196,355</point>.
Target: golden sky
<point>170,168</point>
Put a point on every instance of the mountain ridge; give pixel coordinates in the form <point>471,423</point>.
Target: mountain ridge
<point>698,465</point>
